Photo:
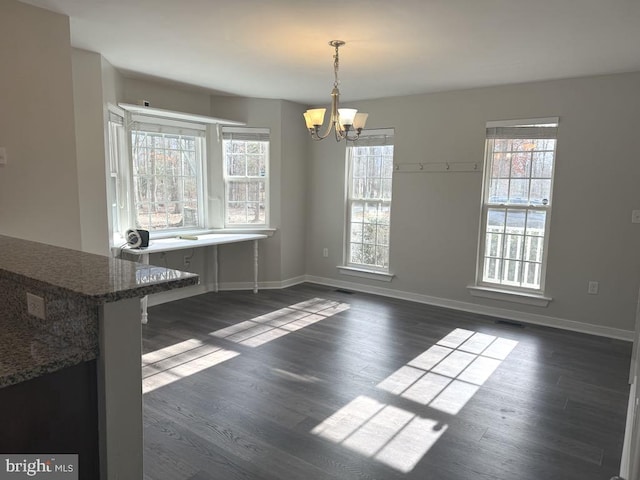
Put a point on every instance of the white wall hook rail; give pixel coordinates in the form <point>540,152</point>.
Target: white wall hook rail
<point>438,167</point>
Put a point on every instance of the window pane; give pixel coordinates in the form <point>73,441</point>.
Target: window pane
<point>542,166</point>
<point>513,246</point>
<point>511,272</point>
<point>540,191</point>
<point>371,171</point>
<point>356,232</point>
<point>357,212</point>
<point>496,220</point>
<point>531,275</point>
<point>533,249</point>
<point>536,222</point>
<point>246,167</point>
<point>253,165</point>
<point>383,235</point>
<point>371,212</point>
<point>519,191</point>
<point>384,214</point>
<point>382,256</point>
<point>501,165</point>
<point>501,145</point>
<point>492,268</point>
<point>499,191</point>
<point>493,245</point>
<point>356,254</point>
<point>521,165</point>
<point>515,221</point>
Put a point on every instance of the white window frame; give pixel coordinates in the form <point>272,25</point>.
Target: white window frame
<point>246,134</point>
<point>117,182</point>
<point>156,125</point>
<point>368,139</point>
<point>515,129</point>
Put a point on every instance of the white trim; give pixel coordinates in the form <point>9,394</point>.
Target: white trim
<point>532,318</point>
<point>509,296</point>
<point>503,313</point>
<point>364,273</point>
<point>626,460</point>
<point>523,122</point>
<point>161,112</point>
<point>249,130</point>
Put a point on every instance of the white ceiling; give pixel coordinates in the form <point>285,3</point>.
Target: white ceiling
<point>279,48</point>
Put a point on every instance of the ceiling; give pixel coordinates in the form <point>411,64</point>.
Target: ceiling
<point>279,48</point>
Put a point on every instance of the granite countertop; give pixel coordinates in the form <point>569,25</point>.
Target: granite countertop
<point>99,278</point>
<point>72,284</point>
<point>27,353</point>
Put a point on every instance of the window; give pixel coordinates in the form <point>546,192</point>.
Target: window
<point>166,172</point>
<point>517,201</point>
<point>369,179</point>
<point>246,173</point>
<point>116,156</point>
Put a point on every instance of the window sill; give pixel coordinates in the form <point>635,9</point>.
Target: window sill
<point>264,230</point>
<point>509,296</point>
<point>363,273</point>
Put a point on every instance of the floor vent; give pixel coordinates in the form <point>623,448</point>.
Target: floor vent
<point>339,290</point>
<point>510,323</point>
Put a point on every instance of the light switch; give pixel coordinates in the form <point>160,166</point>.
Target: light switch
<point>635,216</point>
<point>3,156</point>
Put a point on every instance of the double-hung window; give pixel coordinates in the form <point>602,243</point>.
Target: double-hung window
<point>167,172</point>
<point>517,202</point>
<point>369,180</point>
<point>246,176</point>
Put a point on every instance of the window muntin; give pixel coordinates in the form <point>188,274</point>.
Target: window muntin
<point>517,206</point>
<point>166,172</point>
<point>369,192</point>
<point>246,173</point>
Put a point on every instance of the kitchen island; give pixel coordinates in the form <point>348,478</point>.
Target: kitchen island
<point>70,347</point>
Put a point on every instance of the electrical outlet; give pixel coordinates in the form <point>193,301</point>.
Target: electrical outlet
<point>325,252</point>
<point>592,289</point>
<point>3,156</point>
<point>35,306</point>
<point>635,216</point>
<point>186,260</point>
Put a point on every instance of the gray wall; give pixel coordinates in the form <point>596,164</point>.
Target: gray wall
<point>90,148</point>
<point>53,183</point>
<point>435,216</point>
<point>39,186</point>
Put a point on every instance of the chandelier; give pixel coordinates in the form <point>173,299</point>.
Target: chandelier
<point>347,123</point>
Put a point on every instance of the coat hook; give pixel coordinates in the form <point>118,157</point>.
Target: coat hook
<point>448,166</point>
<point>421,166</point>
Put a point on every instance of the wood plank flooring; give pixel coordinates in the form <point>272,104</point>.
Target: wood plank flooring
<point>311,383</point>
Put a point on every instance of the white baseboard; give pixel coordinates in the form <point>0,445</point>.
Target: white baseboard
<point>505,313</point>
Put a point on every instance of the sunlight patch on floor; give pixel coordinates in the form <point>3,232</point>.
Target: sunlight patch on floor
<point>448,374</point>
<point>174,362</point>
<point>268,327</point>
<point>444,377</point>
<point>391,435</point>
<point>183,365</point>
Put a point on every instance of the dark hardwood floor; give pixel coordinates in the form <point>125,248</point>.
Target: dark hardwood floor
<point>312,383</point>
